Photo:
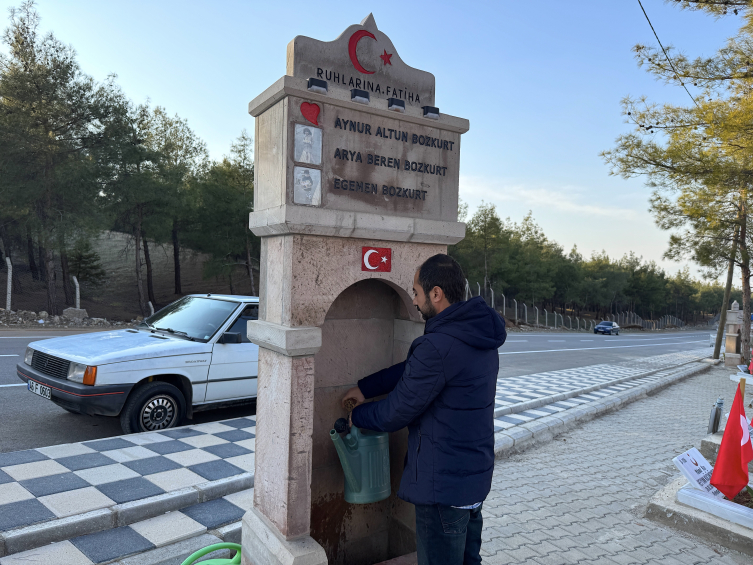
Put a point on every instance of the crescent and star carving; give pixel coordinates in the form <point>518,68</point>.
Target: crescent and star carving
<point>353,44</point>
<point>367,255</point>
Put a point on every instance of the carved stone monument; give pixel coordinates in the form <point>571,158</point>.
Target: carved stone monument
<point>732,339</point>
<point>356,185</point>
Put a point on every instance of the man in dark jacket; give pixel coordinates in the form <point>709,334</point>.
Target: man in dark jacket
<point>444,392</point>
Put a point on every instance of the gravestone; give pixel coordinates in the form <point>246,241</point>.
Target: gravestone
<point>697,471</point>
<point>356,184</point>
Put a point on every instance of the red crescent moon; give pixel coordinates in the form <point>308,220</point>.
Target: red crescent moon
<point>353,43</point>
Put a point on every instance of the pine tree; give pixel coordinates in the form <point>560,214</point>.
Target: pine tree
<point>698,158</point>
<point>52,124</point>
<point>85,263</point>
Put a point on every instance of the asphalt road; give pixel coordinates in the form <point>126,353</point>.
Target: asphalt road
<point>28,421</point>
<point>525,353</point>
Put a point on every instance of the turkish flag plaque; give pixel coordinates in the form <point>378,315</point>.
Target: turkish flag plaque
<point>376,259</point>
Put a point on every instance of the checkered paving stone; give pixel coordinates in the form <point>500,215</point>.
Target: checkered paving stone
<point>43,484</point>
<point>111,544</point>
<point>505,422</point>
<point>58,481</point>
<point>516,390</point>
<point>118,543</point>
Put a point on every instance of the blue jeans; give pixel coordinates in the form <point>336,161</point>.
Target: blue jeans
<point>448,536</point>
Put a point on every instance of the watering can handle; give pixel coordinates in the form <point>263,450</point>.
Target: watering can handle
<point>216,547</point>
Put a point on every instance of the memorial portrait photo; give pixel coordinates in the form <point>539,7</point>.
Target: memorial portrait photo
<point>307,187</point>
<point>308,144</point>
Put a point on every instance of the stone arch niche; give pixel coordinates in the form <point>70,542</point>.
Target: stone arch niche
<point>368,327</point>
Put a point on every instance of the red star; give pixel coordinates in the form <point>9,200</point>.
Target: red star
<point>386,58</point>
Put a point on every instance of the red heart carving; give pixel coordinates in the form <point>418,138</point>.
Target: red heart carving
<point>310,112</point>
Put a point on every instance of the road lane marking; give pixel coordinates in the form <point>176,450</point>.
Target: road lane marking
<point>10,355</point>
<point>589,348</point>
<point>645,338</point>
<point>639,338</point>
<point>20,384</point>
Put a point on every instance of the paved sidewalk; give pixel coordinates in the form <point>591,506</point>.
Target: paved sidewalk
<point>170,537</point>
<point>581,498</point>
<point>542,389</point>
<point>65,480</point>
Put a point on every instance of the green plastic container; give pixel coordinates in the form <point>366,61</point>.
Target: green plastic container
<point>365,458</point>
<point>191,559</point>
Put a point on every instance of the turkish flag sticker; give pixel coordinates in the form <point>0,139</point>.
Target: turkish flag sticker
<point>376,259</point>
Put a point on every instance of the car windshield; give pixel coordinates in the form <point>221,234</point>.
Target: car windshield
<point>192,317</point>
<point>605,324</point>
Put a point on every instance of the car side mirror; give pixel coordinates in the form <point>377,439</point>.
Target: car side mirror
<point>230,337</point>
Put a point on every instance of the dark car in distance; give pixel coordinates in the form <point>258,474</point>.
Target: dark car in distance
<point>607,328</point>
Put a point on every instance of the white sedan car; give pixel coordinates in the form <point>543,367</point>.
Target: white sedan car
<point>192,355</point>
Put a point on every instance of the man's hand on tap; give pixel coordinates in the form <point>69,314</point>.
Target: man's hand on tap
<point>356,398</point>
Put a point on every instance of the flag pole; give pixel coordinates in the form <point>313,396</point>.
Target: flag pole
<point>742,394</point>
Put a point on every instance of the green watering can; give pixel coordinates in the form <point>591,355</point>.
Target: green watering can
<point>365,457</point>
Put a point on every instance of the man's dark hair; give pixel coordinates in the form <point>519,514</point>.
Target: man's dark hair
<point>443,271</point>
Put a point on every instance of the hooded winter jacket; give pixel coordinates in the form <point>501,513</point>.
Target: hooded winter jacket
<point>444,392</point>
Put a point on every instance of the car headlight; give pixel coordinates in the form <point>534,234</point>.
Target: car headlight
<point>84,374</point>
<point>28,356</point>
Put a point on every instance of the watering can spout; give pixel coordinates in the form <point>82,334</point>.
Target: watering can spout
<point>348,459</point>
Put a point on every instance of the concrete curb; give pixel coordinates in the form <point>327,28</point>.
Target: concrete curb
<point>61,529</point>
<point>176,553</point>
<point>537,402</point>
<point>664,509</point>
<point>230,533</point>
<point>37,535</point>
<point>542,430</point>
<point>710,446</point>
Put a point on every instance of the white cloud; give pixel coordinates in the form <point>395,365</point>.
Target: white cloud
<point>572,214</point>
<point>540,198</point>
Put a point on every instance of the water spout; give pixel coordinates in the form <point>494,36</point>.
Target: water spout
<point>351,462</point>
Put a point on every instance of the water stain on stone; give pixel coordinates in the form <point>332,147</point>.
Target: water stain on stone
<point>328,516</point>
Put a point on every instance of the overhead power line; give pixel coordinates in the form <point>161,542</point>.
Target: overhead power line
<point>682,82</point>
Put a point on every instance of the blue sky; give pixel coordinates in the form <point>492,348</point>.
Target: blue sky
<point>540,83</point>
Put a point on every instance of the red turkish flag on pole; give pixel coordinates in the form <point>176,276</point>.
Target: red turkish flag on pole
<point>730,474</point>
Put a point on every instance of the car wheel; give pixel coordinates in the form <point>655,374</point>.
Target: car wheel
<point>595,332</point>
<point>153,407</point>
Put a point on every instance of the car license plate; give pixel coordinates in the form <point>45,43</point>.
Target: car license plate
<point>41,390</point>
